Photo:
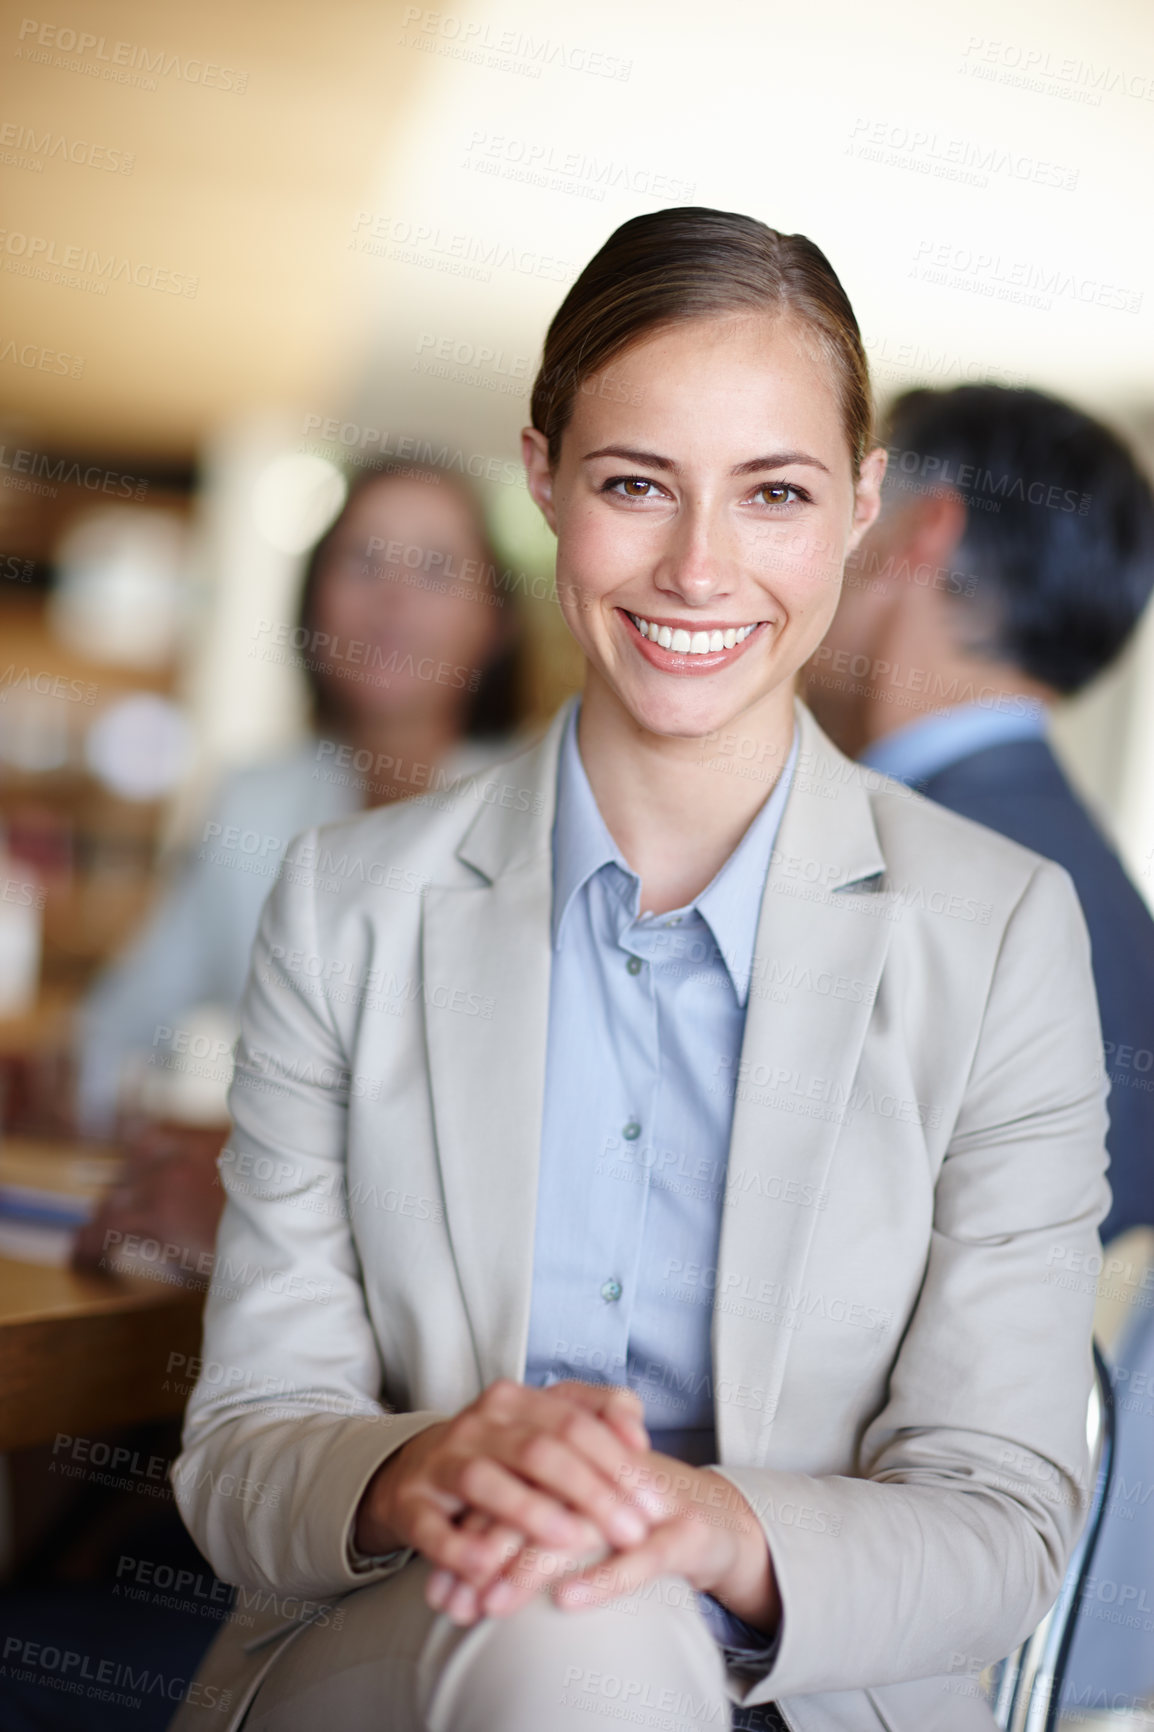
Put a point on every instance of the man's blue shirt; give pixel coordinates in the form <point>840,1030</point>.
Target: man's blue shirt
<point>922,747</point>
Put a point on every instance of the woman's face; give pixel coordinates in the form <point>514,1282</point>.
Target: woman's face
<point>406,601</point>
<point>704,505</point>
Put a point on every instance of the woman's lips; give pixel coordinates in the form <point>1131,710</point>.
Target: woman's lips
<point>673,661</point>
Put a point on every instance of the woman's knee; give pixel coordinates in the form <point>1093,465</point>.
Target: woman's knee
<point>355,1669</point>
<point>648,1654</point>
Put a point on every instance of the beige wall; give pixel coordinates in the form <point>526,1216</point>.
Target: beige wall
<point>241,158</point>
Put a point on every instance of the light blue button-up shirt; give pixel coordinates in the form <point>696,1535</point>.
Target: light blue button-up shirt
<point>646,1017</point>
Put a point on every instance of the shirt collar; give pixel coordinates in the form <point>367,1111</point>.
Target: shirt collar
<point>581,842</point>
<point>923,747</point>
<point>730,903</point>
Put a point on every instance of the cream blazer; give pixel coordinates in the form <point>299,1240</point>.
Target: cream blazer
<point>901,1357</point>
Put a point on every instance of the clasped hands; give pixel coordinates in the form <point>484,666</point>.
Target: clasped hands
<point>524,1487</point>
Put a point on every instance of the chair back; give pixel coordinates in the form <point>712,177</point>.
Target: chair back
<point>1026,1687</point>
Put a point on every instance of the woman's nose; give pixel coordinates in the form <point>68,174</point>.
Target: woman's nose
<point>697,565</point>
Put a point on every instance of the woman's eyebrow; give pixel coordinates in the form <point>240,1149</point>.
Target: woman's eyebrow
<point>778,460</point>
<point>652,460</point>
<point>647,459</point>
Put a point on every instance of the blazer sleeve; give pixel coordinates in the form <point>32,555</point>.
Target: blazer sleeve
<point>974,1477</point>
<point>285,1428</point>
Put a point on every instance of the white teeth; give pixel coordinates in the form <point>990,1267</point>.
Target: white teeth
<point>696,643</point>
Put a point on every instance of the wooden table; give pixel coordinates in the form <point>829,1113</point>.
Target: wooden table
<point>44,1024</point>
<point>83,1353</point>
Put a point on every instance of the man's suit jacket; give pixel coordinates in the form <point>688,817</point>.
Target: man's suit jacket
<point>1019,789</point>
<point>901,1322</point>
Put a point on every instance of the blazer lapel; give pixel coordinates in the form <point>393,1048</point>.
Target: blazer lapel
<point>486,961</point>
<point>485,967</point>
<point>823,918</point>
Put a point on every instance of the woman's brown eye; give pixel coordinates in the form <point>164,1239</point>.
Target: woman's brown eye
<point>776,493</point>
<point>636,489</point>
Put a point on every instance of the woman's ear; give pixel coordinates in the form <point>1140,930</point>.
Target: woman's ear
<point>538,474</point>
<point>867,499</point>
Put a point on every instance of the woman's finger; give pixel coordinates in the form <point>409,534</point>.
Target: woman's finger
<point>463,1604</point>
<point>534,1570</point>
<point>616,1405</point>
<point>442,1582</point>
<point>572,1412</point>
<point>430,1531</point>
<point>620,1466</point>
<point>499,1492</point>
<point>539,1463</point>
<point>583,1465</point>
<point>506,1542</point>
<point>667,1551</point>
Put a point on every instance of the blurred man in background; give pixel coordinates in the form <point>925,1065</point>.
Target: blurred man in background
<point>1010,565</point>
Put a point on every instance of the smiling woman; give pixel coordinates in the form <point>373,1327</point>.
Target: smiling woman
<point>834,1453</point>
<point>705,506</point>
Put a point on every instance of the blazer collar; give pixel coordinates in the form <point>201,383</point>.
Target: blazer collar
<point>491,942</point>
<point>829,820</point>
<point>828,814</point>
<point>825,911</point>
<point>516,805</point>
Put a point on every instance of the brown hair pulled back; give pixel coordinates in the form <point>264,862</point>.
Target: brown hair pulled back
<point>691,262</point>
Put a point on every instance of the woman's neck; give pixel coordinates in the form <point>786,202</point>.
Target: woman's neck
<point>405,751</point>
<point>677,808</point>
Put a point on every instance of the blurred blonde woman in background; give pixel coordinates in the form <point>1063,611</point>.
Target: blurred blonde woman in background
<point>412,654</point>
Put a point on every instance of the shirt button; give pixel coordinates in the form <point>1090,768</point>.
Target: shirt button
<point>611,1291</point>
<point>634,965</point>
<point>631,1131</point>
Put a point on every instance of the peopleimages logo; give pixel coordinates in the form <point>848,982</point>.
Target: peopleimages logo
<point>70,50</point>
<point>1030,66</point>
<point>1022,282</point>
<point>39,359</point>
<point>75,266</point>
<point>102,1680</point>
<point>69,473</point>
<point>973,482</point>
<point>24,147</point>
<point>477,42</point>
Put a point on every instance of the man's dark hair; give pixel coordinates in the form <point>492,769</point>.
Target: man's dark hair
<point>1059,520</point>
